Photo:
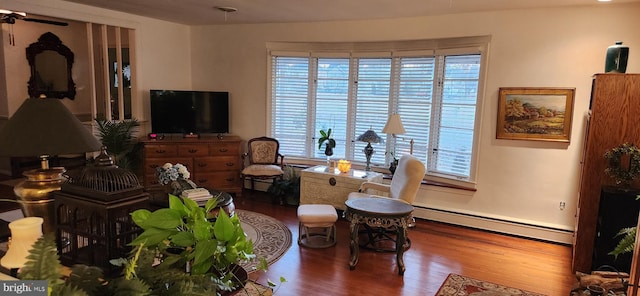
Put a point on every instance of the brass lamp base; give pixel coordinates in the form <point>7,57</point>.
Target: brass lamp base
<point>35,198</point>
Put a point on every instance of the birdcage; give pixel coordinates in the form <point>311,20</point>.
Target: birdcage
<point>93,222</point>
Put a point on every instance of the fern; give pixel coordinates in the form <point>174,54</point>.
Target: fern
<point>43,262</point>
<point>87,278</point>
<point>626,244</point>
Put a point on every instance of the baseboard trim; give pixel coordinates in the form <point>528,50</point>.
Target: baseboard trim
<point>561,236</point>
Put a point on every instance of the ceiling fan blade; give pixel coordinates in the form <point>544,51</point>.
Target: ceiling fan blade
<point>45,21</point>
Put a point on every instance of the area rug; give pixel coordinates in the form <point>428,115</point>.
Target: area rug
<point>458,285</point>
<point>271,238</point>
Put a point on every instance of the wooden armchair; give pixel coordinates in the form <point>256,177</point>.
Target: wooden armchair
<point>262,160</point>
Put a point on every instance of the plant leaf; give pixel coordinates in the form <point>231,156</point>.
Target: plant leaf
<point>223,229</point>
<point>164,219</point>
<point>140,217</point>
<point>152,236</point>
<point>626,244</point>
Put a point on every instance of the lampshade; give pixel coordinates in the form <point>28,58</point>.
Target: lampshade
<point>45,127</point>
<point>24,232</point>
<point>370,137</point>
<point>394,125</point>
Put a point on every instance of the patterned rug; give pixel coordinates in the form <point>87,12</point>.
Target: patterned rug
<point>457,285</point>
<point>271,238</point>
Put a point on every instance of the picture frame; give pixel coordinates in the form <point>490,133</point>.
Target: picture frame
<point>536,114</point>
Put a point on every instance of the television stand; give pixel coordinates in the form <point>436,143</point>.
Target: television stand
<point>191,135</point>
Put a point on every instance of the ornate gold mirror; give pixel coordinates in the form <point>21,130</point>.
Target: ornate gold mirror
<point>50,63</point>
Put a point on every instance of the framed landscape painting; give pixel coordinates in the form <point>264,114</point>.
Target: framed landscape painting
<point>539,114</point>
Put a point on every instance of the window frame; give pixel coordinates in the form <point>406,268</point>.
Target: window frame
<point>445,46</point>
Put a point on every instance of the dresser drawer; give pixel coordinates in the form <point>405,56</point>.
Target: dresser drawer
<point>223,148</point>
<point>193,150</point>
<point>159,150</point>
<point>218,180</point>
<point>217,163</point>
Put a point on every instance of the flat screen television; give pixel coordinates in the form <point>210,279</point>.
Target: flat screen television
<point>187,111</point>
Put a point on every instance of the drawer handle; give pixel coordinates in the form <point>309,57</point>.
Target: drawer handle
<point>161,151</point>
<point>154,166</point>
<point>223,149</point>
<point>193,150</point>
<point>332,181</point>
<point>230,164</point>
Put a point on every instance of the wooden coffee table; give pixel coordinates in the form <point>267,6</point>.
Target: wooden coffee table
<point>378,212</point>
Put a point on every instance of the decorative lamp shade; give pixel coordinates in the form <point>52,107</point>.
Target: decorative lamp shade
<point>45,127</point>
<point>394,125</point>
<point>370,137</point>
<point>24,233</point>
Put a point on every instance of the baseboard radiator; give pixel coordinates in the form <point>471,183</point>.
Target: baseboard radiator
<point>554,235</point>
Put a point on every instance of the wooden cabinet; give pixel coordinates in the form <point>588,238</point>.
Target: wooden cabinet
<point>614,120</point>
<point>213,163</point>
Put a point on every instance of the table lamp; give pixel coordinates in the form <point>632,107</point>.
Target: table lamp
<point>394,127</point>
<point>24,233</point>
<point>43,127</point>
<point>370,137</point>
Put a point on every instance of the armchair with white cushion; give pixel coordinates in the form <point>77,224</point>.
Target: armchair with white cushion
<point>404,184</point>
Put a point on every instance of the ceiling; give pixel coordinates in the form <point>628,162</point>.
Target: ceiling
<point>202,12</point>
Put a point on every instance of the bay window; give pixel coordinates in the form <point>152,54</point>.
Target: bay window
<point>354,87</point>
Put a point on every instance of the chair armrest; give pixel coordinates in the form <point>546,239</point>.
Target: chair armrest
<point>375,186</point>
<point>244,159</point>
<point>281,160</point>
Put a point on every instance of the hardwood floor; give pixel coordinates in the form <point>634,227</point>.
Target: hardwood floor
<point>437,249</point>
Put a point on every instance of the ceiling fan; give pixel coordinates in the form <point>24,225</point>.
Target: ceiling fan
<point>10,17</point>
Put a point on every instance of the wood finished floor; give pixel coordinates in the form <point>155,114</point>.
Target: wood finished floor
<point>437,249</point>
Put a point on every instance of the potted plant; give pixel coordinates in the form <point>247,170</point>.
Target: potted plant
<point>393,164</point>
<point>205,247</point>
<point>121,145</point>
<point>213,248</point>
<point>331,143</point>
<point>287,188</point>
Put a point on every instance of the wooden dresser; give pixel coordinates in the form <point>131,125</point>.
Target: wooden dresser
<point>213,163</point>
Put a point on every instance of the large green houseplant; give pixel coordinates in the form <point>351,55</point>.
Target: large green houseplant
<point>185,237</point>
<point>213,249</point>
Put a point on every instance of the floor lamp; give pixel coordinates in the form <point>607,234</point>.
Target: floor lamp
<point>43,127</point>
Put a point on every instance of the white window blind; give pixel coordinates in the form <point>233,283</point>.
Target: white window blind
<point>434,91</point>
<point>290,104</point>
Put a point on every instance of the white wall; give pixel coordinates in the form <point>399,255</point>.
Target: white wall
<point>519,181</point>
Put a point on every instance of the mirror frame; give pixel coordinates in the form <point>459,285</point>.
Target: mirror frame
<point>49,41</point>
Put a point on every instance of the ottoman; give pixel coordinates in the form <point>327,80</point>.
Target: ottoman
<point>317,228</point>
